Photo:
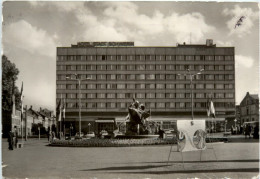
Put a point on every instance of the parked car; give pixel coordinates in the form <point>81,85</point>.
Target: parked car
<point>104,134</point>
<point>79,136</point>
<point>90,135</point>
<point>169,133</point>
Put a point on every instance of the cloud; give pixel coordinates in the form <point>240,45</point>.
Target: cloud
<point>244,61</point>
<point>23,35</point>
<point>250,19</point>
<point>224,44</point>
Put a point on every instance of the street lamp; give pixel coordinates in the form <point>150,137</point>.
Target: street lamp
<point>79,82</point>
<point>191,77</point>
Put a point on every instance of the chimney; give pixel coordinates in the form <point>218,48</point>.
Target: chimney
<point>209,42</point>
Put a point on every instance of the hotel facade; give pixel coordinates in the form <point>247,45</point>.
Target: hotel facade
<point>112,73</point>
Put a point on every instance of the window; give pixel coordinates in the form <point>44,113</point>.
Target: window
<point>219,67</point>
<point>120,95</point>
<point>150,95</point>
<point>140,67</point>
<point>91,95</point>
<point>61,67</point>
<point>72,57</point>
<point>121,105</point>
<point>140,57</point>
<point>180,105</point>
<point>91,105</point>
<point>120,77</point>
<point>160,77</point>
<point>101,105</point>
<point>150,86</point>
<point>170,57</point>
<point>61,86</point>
<point>209,77</point>
<point>91,67</point>
<point>209,86</point>
<point>160,86</point>
<point>170,76</point>
<point>229,86</point>
<point>179,57</point>
<point>179,86</point>
<point>209,58</point>
<point>121,67</point>
<point>130,86</point>
<point>179,67</point>
<point>170,67</point>
<point>219,77</point>
<point>179,95</point>
<point>199,86</point>
<point>129,95</point>
<point>199,95</point>
<point>111,57</point>
<point>101,77</point>
<point>170,86</point>
<point>170,95</point>
<point>150,67</point>
<point>199,67</point>
<point>121,57</point>
<point>160,95</point>
<point>229,95</point>
<point>131,57</point>
<point>111,67</point>
<point>72,95</point>
<point>149,105</point>
<point>101,67</point>
<point>111,77</point>
<point>111,95</point>
<point>229,77</point>
<point>130,77</point>
<point>219,58</point>
<point>150,57</point>
<point>140,95</point>
<point>229,67</point>
<point>160,67</point>
<point>79,67</point>
<point>103,57</point>
<point>71,86</point>
<point>187,95</point>
<point>140,77</point>
<point>92,77</point>
<point>170,105</point>
<point>140,86</point>
<point>120,86</point>
<point>71,105</point>
<point>219,95</point>
<point>219,86</point>
<point>160,105</point>
<point>61,77</point>
<point>111,86</point>
<point>209,67</point>
<point>101,95</point>
<point>91,57</point>
<point>130,67</point>
<point>150,77</point>
<point>189,57</point>
<point>91,86</point>
<point>160,57</point>
<point>101,86</point>
<point>229,58</point>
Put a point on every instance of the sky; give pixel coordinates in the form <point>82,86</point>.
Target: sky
<point>32,30</point>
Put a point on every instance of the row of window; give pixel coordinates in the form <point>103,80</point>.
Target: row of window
<point>144,86</point>
<point>149,105</point>
<point>144,67</point>
<point>142,95</point>
<point>144,57</point>
<point>146,77</point>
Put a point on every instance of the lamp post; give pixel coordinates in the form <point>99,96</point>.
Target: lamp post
<point>225,126</point>
<point>79,82</point>
<point>191,78</point>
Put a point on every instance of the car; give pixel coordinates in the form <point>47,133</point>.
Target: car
<point>79,136</point>
<point>103,134</point>
<point>169,133</point>
<point>90,135</point>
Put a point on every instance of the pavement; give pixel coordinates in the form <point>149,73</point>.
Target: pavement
<point>239,159</point>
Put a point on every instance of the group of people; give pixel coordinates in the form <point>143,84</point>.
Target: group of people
<point>50,135</point>
<point>248,131</point>
<point>12,140</point>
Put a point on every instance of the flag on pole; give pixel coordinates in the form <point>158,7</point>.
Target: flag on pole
<point>21,98</point>
<point>59,110</point>
<point>212,109</point>
<point>64,106</point>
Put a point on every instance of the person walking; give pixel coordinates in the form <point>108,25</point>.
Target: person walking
<point>10,140</point>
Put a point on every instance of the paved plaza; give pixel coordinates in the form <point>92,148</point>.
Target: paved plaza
<point>239,159</point>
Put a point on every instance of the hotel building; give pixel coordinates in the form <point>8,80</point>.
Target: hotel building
<point>155,76</point>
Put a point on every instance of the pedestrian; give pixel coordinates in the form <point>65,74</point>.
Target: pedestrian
<point>10,140</point>
<point>15,137</point>
<point>247,130</point>
<point>256,132</point>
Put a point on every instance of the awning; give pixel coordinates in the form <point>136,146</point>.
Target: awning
<point>104,121</point>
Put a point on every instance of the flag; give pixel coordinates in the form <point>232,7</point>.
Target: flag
<point>212,109</point>
<point>21,98</point>
<point>208,107</point>
<point>58,109</point>
<point>64,105</point>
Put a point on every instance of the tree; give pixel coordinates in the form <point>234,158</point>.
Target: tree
<point>9,76</point>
